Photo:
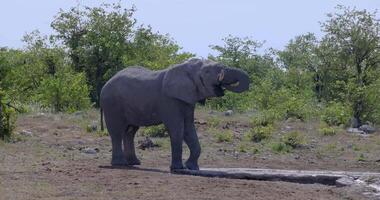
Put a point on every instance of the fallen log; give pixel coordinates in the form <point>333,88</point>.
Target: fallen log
<point>295,176</point>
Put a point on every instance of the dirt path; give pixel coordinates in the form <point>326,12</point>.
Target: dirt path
<point>51,164</point>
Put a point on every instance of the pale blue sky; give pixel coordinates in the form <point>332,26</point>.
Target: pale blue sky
<point>194,24</point>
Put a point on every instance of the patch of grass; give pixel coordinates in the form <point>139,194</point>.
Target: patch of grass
<point>224,136</point>
<point>257,134</point>
<point>245,147</point>
<point>331,147</point>
<point>361,158</point>
<point>155,131</point>
<point>294,139</point>
<point>327,131</point>
<point>355,147</point>
<point>100,133</point>
<point>213,121</point>
<point>263,119</point>
<point>280,147</point>
<point>162,143</point>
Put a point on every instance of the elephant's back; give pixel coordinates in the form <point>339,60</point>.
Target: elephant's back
<point>133,83</point>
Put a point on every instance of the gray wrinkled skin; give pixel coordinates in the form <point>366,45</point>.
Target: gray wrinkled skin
<point>137,97</point>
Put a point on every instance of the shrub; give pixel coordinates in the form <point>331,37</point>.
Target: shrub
<point>155,131</point>
<point>65,91</point>
<point>327,131</point>
<point>280,147</point>
<point>7,118</point>
<point>224,136</point>
<point>293,139</point>
<point>213,121</point>
<point>257,134</point>
<point>336,113</point>
<point>265,118</point>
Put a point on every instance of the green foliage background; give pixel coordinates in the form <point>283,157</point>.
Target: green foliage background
<point>335,78</point>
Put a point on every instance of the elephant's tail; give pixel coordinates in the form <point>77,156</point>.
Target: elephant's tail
<point>101,119</point>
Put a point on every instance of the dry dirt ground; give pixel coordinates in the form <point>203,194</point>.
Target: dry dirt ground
<point>51,162</point>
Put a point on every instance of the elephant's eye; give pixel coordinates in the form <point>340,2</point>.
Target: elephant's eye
<point>207,71</point>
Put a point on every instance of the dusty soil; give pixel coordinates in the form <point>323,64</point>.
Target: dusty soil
<point>51,163</point>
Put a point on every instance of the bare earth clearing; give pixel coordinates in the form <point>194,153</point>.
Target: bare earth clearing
<point>52,164</point>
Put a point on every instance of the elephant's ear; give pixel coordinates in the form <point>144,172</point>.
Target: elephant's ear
<point>179,82</point>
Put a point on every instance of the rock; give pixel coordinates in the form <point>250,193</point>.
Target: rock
<point>355,131</point>
<point>228,113</point>
<point>367,129</point>
<point>78,113</point>
<point>345,181</point>
<point>89,150</point>
<point>354,122</point>
<point>200,122</point>
<point>146,144</point>
<point>26,133</point>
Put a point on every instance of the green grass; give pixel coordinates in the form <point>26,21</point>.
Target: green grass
<point>280,147</point>
<point>213,121</point>
<point>257,134</point>
<point>222,135</point>
<point>294,139</point>
<point>155,131</point>
<point>327,131</point>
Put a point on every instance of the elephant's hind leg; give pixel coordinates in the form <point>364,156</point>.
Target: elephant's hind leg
<point>116,128</point>
<point>129,145</point>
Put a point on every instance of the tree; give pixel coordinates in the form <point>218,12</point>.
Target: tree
<point>103,40</point>
<point>97,39</point>
<point>352,42</point>
<point>300,62</point>
<point>240,53</point>
<point>153,50</point>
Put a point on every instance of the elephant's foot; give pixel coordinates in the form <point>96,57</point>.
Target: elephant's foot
<point>119,162</point>
<point>192,165</point>
<point>176,166</point>
<point>133,161</point>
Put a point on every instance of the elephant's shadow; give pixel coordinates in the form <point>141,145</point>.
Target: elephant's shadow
<point>135,168</point>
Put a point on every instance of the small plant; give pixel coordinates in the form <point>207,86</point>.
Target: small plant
<point>213,122</point>
<point>155,131</point>
<point>280,147</point>
<point>260,133</point>
<point>224,136</point>
<point>361,158</point>
<point>327,131</point>
<point>264,119</point>
<point>293,139</point>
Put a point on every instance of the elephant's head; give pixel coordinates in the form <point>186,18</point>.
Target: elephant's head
<point>197,79</point>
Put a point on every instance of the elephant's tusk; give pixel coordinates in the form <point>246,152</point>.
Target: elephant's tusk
<point>235,84</point>
<point>221,76</point>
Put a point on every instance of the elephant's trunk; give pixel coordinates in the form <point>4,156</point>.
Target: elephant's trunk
<point>235,80</point>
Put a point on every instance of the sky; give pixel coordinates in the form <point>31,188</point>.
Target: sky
<point>193,24</point>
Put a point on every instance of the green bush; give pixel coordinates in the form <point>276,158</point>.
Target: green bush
<point>155,131</point>
<point>336,113</point>
<point>259,133</point>
<point>7,119</point>
<point>66,91</point>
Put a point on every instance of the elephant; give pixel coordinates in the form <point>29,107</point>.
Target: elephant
<point>137,96</point>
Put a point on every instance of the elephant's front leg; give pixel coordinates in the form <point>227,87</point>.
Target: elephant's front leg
<point>176,127</point>
<point>192,141</point>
